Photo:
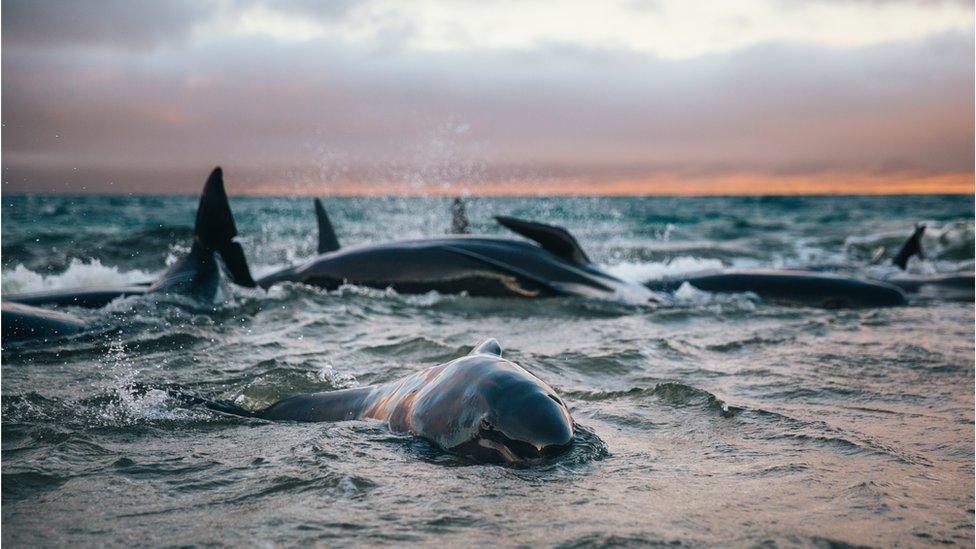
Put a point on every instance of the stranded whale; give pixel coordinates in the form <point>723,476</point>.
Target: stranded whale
<point>197,274</point>
<point>478,265</point>
<point>480,406</point>
<point>955,286</point>
<point>791,287</point>
<point>21,322</point>
<point>959,286</point>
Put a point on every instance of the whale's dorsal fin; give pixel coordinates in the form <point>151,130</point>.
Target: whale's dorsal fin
<point>327,238</point>
<point>215,229</point>
<point>912,246</point>
<point>459,218</point>
<point>489,346</point>
<point>556,240</point>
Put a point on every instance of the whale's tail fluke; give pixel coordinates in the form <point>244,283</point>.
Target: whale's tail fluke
<point>214,226</point>
<point>196,273</point>
<point>327,237</point>
<point>215,229</point>
<point>459,218</point>
<point>190,399</point>
<point>912,246</point>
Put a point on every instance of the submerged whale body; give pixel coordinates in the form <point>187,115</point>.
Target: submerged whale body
<point>791,287</point>
<point>480,406</point>
<point>88,298</point>
<point>21,322</point>
<point>956,286</point>
<point>477,265</point>
<point>197,274</point>
<point>960,286</point>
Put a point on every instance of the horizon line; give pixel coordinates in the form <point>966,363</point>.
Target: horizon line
<point>246,182</point>
<point>466,194</point>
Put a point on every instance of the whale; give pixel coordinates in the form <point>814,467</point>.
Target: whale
<point>196,275</point>
<point>959,286</point>
<point>954,286</point>
<point>788,287</point>
<point>21,322</point>
<point>93,297</point>
<point>550,264</point>
<point>480,406</point>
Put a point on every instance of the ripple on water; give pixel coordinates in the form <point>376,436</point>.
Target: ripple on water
<point>845,427</point>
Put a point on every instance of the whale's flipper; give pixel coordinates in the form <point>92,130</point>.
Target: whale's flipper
<point>489,346</point>
<point>556,240</point>
<point>459,218</point>
<point>512,270</point>
<point>327,237</point>
<point>878,255</point>
<point>912,246</point>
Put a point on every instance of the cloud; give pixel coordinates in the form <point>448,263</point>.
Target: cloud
<point>105,23</point>
<point>333,110</point>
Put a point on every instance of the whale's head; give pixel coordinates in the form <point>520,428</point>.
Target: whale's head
<point>517,417</point>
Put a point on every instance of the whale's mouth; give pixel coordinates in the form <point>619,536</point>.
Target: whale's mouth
<point>493,446</point>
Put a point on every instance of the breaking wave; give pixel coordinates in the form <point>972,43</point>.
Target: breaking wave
<point>640,272</point>
<point>79,274</point>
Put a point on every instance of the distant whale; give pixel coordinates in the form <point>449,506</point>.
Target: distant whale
<point>791,287</point>
<point>956,286</point>
<point>477,265</point>
<point>480,406</point>
<point>960,286</point>
<point>197,274</point>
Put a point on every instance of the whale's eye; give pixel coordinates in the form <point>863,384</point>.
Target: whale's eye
<point>486,424</point>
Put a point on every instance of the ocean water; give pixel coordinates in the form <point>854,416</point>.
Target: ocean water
<point>718,420</point>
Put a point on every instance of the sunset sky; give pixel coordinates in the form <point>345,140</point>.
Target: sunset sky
<point>489,96</point>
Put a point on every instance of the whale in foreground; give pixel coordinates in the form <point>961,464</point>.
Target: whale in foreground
<point>482,266</point>
<point>480,406</point>
<point>197,275</point>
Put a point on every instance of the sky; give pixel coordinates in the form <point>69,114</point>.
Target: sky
<point>488,96</point>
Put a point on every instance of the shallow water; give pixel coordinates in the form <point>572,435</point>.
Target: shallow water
<point>717,420</point>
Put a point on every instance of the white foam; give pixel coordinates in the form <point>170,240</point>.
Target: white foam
<point>656,270</point>
<point>79,274</point>
<point>689,295</point>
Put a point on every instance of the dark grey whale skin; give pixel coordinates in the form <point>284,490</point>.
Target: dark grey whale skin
<point>23,322</point>
<point>959,286</point>
<point>792,287</point>
<point>479,265</point>
<point>88,298</point>
<point>480,406</point>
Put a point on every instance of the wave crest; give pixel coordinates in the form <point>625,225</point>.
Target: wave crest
<point>78,274</point>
